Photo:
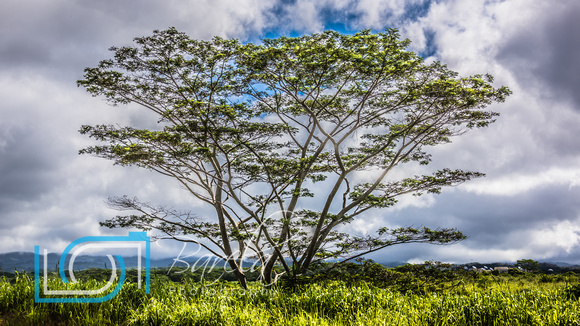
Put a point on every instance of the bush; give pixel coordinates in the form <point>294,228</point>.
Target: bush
<point>573,291</point>
<point>515,271</point>
<point>432,276</point>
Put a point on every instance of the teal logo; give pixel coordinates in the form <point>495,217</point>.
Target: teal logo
<point>135,240</point>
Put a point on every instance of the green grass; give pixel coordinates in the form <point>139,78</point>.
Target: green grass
<point>484,300</point>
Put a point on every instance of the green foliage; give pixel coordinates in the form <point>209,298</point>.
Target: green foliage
<point>528,264</point>
<point>411,278</point>
<point>338,302</point>
<point>249,128</point>
<point>515,271</point>
<point>573,291</point>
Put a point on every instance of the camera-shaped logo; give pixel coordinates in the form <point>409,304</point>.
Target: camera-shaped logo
<point>136,240</point>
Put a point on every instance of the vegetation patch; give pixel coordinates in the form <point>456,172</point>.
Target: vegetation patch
<point>361,298</point>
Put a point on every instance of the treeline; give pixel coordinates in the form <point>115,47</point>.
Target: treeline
<point>430,276</point>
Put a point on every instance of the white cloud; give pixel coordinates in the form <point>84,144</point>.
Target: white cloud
<point>304,16</point>
<point>374,12</point>
<point>514,184</point>
<point>550,241</point>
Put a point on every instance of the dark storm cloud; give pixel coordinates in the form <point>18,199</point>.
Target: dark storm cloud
<point>25,167</point>
<point>494,221</point>
<point>545,54</point>
<point>499,228</point>
<point>37,35</point>
<point>62,37</point>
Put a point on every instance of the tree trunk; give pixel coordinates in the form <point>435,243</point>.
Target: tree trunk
<point>240,276</point>
<point>267,269</point>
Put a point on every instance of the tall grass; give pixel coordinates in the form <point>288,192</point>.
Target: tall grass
<point>328,303</point>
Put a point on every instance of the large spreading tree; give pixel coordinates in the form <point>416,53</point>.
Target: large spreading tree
<point>276,138</point>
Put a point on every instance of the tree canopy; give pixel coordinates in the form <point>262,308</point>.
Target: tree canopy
<point>287,140</point>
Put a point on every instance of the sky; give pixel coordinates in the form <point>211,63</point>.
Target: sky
<point>528,205</point>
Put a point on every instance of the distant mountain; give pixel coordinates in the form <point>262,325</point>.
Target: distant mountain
<point>391,263</point>
<point>24,261</point>
<point>562,264</point>
<point>20,261</point>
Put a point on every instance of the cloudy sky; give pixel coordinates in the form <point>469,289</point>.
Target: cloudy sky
<point>528,206</point>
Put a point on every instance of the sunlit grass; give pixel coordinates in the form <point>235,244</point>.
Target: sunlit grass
<point>487,301</point>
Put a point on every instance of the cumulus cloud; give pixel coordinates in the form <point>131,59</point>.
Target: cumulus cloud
<point>526,207</point>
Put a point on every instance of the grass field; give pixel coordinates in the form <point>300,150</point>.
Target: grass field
<point>479,300</point>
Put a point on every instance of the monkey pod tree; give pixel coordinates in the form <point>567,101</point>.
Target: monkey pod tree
<point>255,130</point>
